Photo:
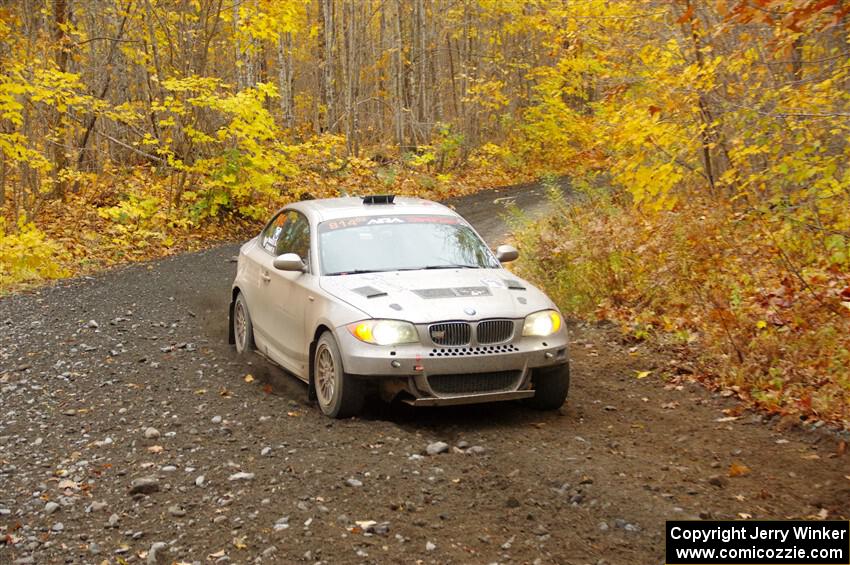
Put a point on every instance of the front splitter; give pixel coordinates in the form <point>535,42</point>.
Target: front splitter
<point>470,398</point>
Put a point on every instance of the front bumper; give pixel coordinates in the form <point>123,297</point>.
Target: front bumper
<point>433,374</point>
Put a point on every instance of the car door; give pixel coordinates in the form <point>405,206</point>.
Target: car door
<point>285,294</point>
<point>255,280</point>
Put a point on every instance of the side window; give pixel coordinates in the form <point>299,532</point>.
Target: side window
<point>274,232</point>
<point>296,236</point>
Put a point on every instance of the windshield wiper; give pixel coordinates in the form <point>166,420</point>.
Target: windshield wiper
<point>451,267</point>
<point>424,268</point>
<point>429,267</point>
<point>355,272</point>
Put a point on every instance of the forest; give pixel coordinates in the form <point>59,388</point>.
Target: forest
<point>706,143</point>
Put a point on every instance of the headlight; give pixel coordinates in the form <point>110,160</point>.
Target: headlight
<point>542,324</point>
<point>384,332</point>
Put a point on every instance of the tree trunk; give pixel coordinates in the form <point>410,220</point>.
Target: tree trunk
<point>797,60</point>
<point>708,132</point>
<point>60,157</point>
<point>398,77</point>
<point>326,38</point>
<point>424,85</point>
<point>2,183</point>
<point>284,65</point>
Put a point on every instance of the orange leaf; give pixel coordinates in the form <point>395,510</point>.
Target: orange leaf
<point>686,17</point>
<point>738,470</point>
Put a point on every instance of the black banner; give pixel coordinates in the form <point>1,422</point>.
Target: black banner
<point>758,542</point>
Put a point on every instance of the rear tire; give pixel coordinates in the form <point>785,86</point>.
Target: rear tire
<point>551,387</point>
<point>243,329</point>
<point>340,395</point>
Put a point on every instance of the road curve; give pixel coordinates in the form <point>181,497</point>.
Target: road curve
<point>129,429</point>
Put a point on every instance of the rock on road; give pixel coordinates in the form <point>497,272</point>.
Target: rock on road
<point>129,431</point>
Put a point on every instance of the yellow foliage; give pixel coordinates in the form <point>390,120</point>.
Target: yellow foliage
<point>26,254</point>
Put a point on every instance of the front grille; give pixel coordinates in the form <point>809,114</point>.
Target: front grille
<point>450,333</point>
<point>494,331</point>
<point>478,350</point>
<point>474,382</point>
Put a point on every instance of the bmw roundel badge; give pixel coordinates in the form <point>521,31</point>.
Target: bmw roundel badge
<point>469,311</point>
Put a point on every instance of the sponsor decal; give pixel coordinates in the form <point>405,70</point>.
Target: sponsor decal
<point>358,221</point>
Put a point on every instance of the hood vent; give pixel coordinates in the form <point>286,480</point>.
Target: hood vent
<point>464,291</point>
<point>369,291</point>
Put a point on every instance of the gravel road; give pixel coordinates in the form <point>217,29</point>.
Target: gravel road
<point>130,432</point>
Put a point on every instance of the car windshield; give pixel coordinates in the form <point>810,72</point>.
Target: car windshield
<point>368,244</point>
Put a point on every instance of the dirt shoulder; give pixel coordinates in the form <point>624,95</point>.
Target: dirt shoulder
<point>246,471</point>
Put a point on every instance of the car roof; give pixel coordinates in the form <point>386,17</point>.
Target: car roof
<point>334,208</point>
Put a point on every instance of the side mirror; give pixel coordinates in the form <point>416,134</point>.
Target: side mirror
<point>506,253</point>
<point>289,262</point>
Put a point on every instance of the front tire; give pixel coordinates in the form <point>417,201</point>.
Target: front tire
<point>243,329</point>
<point>339,395</point>
<point>551,387</point>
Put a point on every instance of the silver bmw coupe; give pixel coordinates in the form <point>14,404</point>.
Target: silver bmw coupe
<point>395,295</point>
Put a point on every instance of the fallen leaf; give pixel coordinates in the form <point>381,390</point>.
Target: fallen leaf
<point>67,484</point>
<point>740,497</point>
<point>738,470</point>
<point>687,15</point>
<point>811,456</point>
<point>727,419</point>
<point>670,405</point>
<point>642,374</point>
<point>249,378</point>
<point>267,388</point>
<point>292,414</point>
<point>744,516</point>
<point>224,392</point>
<point>216,555</point>
<point>239,543</point>
<point>201,391</point>
<point>155,449</point>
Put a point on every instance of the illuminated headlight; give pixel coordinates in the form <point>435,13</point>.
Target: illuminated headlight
<point>384,332</point>
<point>542,324</point>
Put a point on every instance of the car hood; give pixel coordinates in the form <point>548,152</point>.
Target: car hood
<point>434,295</point>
